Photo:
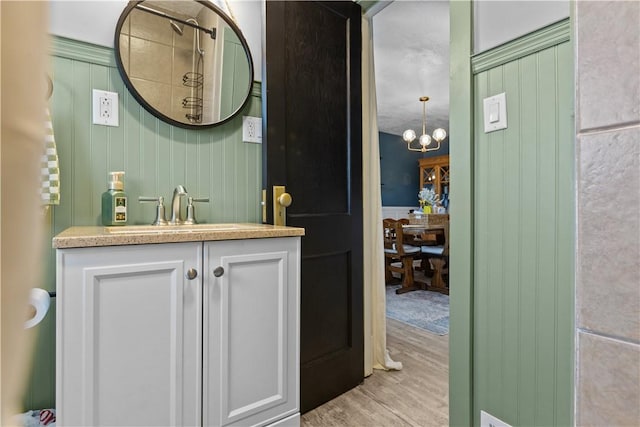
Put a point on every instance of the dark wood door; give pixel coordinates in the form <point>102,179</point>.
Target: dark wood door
<point>313,146</point>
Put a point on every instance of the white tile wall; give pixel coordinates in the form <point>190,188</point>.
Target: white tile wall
<point>607,38</point>
<point>608,60</point>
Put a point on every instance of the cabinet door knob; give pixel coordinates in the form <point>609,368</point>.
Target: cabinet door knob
<point>218,271</point>
<point>192,273</point>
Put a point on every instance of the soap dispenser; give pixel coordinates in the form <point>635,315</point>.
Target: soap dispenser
<point>114,201</point>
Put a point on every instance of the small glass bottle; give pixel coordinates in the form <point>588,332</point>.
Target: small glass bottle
<point>114,201</point>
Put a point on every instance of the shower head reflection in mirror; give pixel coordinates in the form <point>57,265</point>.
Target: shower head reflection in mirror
<point>180,31</point>
<point>177,28</point>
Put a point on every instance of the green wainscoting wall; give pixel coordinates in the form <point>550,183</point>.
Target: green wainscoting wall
<point>461,154</point>
<point>156,157</point>
<point>524,233</point>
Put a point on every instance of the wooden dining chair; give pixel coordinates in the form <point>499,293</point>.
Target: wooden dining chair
<point>438,257</point>
<point>396,251</point>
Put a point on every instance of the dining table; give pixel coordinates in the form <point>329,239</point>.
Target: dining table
<point>428,235</point>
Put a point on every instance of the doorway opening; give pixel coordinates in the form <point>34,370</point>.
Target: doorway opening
<point>411,55</point>
<point>375,401</point>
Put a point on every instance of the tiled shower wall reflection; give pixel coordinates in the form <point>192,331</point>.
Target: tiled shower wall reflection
<point>168,56</point>
<point>608,235</point>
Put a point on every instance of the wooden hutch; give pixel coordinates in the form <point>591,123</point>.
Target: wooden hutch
<point>434,174</point>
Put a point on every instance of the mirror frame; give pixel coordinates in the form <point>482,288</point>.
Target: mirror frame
<point>151,109</point>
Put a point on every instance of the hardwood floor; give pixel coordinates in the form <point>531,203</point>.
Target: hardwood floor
<point>416,396</point>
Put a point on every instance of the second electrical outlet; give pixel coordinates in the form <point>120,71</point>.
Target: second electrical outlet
<point>105,108</point>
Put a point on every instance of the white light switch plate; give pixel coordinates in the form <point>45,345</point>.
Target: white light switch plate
<point>488,420</point>
<point>105,108</point>
<point>252,129</point>
<point>495,113</point>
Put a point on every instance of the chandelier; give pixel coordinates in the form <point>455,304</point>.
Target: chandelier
<point>425,140</point>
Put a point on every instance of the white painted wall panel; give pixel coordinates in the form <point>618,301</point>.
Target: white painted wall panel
<point>497,22</point>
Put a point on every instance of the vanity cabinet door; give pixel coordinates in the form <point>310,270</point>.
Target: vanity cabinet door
<point>251,329</point>
<point>129,335</point>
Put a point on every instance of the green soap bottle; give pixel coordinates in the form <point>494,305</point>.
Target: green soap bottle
<point>114,201</point>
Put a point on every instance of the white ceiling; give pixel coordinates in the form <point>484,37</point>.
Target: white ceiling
<point>411,54</point>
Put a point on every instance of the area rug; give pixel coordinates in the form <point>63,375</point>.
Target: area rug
<point>423,309</point>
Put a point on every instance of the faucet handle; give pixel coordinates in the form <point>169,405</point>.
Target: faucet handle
<point>199,199</point>
<point>160,218</point>
<point>191,214</point>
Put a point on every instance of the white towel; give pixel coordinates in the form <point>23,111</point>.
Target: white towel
<point>50,168</point>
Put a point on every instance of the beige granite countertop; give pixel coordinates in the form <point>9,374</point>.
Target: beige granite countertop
<point>82,237</point>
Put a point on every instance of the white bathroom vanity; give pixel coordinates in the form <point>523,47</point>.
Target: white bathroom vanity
<point>180,327</point>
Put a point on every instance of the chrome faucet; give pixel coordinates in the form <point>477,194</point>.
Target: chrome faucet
<point>176,205</point>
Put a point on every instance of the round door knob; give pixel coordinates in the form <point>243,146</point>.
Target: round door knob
<point>192,273</point>
<point>218,271</point>
<point>285,200</point>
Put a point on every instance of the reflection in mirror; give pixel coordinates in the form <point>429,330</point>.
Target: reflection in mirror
<point>186,62</point>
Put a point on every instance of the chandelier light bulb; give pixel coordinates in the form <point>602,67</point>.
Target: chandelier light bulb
<point>425,140</point>
<point>409,135</point>
<point>439,134</point>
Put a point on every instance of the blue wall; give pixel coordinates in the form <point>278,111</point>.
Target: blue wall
<point>399,170</point>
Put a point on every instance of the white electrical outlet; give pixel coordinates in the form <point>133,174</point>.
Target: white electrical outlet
<point>252,129</point>
<point>488,420</point>
<point>105,108</point>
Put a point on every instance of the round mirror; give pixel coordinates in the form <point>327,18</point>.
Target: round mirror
<point>186,62</point>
